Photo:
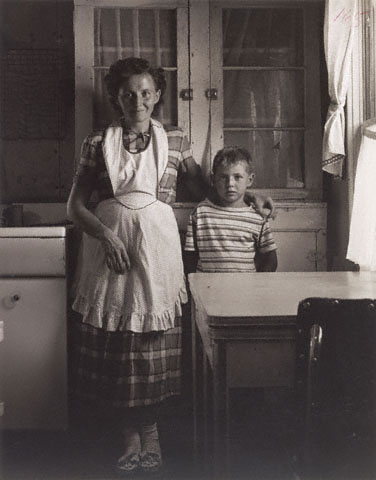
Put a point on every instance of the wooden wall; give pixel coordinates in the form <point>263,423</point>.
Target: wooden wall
<point>37,100</point>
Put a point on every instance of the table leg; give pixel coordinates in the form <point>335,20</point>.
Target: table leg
<point>194,382</point>
<point>221,412</point>
<point>207,410</point>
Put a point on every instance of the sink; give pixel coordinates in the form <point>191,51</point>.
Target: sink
<point>32,251</point>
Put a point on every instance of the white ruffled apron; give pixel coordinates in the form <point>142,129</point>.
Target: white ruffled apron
<point>148,296</point>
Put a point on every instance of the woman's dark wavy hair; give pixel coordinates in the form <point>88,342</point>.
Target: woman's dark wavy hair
<point>122,70</point>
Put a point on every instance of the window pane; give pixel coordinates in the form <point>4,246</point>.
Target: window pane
<point>104,32</point>
<point>125,32</point>
<point>263,99</point>
<point>278,157</point>
<point>168,114</point>
<point>103,113</point>
<point>262,37</point>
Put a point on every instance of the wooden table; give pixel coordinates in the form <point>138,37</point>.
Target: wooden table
<point>243,335</point>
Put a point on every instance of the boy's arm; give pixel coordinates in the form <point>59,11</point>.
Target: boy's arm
<point>190,260</point>
<point>266,250</point>
<point>190,253</point>
<point>266,262</point>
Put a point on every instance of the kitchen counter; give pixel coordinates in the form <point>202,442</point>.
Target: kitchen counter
<point>44,231</point>
<point>33,251</point>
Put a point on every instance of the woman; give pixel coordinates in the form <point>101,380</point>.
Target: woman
<point>131,284</point>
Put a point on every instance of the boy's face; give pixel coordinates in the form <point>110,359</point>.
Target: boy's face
<point>231,182</point>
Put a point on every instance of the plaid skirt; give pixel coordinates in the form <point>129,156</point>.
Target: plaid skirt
<point>124,369</point>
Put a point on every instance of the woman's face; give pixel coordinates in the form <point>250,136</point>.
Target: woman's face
<point>137,97</point>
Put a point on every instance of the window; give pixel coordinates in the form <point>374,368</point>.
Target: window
<point>146,33</point>
<point>106,31</point>
<point>268,78</point>
<point>263,77</point>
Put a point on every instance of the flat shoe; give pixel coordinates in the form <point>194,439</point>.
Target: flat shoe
<point>150,462</point>
<point>128,465</point>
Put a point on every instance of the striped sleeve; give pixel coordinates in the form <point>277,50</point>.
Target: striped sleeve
<point>180,151</point>
<point>266,241</point>
<point>186,155</point>
<point>91,152</point>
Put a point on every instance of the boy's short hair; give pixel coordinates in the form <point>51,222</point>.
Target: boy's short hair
<point>230,155</point>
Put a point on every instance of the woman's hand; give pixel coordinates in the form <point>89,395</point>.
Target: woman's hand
<point>116,255</point>
<point>263,205</point>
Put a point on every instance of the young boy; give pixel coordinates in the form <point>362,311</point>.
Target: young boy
<point>224,233</point>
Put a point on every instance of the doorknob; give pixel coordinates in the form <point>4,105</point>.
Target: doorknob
<point>211,94</point>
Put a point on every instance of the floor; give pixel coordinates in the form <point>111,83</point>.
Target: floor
<point>262,449</point>
<point>89,450</point>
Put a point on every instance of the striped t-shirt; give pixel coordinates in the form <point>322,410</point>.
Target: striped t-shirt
<point>227,238</point>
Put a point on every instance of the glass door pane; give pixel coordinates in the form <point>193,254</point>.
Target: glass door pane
<point>262,77</point>
<point>146,33</point>
<point>262,37</point>
<point>259,98</point>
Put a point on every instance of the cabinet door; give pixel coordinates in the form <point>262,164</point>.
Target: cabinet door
<point>265,80</point>
<point>297,251</point>
<point>255,76</point>
<point>106,31</point>
<point>33,358</point>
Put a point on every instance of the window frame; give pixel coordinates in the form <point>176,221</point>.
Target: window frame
<point>85,61</point>
<point>312,114</point>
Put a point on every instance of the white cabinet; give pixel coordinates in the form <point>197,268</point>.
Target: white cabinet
<point>33,353</point>
<point>32,251</point>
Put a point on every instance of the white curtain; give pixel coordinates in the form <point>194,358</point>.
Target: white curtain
<point>124,32</point>
<point>340,16</point>
<point>362,239</point>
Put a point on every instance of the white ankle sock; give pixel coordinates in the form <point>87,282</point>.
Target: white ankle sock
<point>150,439</point>
<point>132,441</point>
